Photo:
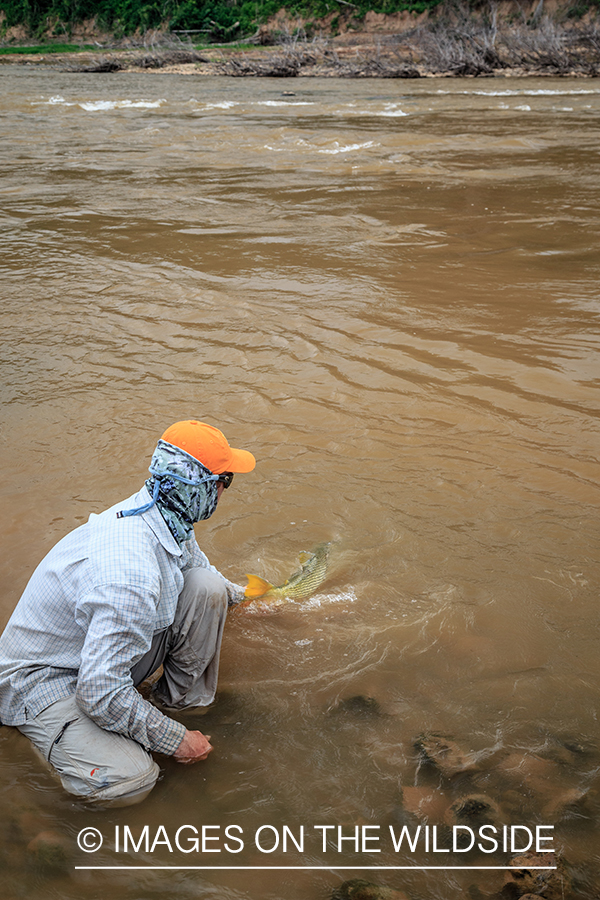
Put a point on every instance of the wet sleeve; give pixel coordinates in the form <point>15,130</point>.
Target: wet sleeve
<point>118,622</point>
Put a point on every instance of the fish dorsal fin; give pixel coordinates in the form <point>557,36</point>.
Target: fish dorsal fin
<point>257,586</point>
<point>304,556</point>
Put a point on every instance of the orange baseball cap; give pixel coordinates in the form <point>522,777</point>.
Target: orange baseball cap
<point>208,445</point>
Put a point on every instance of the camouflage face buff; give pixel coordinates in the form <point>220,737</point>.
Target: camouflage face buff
<point>189,496</point>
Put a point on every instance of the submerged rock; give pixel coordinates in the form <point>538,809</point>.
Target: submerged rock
<point>445,754</point>
<point>491,890</point>
<point>551,884</point>
<point>357,889</point>
<point>577,747</point>
<point>359,706</point>
<point>474,810</point>
<point>547,782</point>
<point>50,851</point>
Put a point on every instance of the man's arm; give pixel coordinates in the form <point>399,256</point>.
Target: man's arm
<point>118,621</point>
<point>235,592</point>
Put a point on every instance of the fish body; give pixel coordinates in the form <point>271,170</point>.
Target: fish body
<point>301,584</point>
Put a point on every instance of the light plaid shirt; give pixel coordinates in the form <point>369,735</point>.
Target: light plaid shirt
<point>89,614</point>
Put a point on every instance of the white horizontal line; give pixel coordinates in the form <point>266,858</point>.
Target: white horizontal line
<point>320,868</point>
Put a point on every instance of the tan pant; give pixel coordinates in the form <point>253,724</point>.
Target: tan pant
<point>189,652</point>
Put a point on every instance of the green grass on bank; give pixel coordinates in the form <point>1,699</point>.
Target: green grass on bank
<point>48,48</point>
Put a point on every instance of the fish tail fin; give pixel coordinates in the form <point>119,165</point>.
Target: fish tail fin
<point>256,586</point>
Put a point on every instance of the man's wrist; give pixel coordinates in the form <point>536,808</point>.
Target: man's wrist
<point>170,738</point>
<point>235,593</point>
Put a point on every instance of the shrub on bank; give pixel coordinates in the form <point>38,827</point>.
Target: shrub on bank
<point>460,37</point>
<point>215,19</point>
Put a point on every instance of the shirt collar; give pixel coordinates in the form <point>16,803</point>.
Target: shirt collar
<point>157,524</point>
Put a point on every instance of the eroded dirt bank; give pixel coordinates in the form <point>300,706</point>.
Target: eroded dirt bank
<point>508,38</point>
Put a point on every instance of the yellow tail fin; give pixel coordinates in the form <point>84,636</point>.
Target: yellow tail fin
<point>256,586</point>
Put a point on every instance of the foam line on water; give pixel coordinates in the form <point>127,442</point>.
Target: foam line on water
<point>103,105</point>
<point>523,92</point>
<point>348,148</point>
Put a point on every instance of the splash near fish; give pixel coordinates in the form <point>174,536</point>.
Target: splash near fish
<point>300,585</point>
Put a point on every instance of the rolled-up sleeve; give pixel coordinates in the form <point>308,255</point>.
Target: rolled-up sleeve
<point>118,621</point>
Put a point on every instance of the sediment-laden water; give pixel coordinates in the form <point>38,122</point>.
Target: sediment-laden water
<point>388,291</point>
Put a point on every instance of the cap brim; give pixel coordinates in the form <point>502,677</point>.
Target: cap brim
<point>241,461</point>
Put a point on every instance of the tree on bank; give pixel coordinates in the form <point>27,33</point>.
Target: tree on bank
<point>214,19</point>
<point>456,37</point>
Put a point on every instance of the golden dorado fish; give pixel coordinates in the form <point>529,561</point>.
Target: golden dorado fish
<point>301,584</point>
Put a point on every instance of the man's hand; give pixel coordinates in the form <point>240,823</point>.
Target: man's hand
<point>235,593</point>
<point>193,747</point>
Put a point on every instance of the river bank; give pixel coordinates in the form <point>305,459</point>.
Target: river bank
<point>305,63</point>
<point>500,40</point>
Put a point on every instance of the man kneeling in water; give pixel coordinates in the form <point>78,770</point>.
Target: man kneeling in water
<point>114,600</point>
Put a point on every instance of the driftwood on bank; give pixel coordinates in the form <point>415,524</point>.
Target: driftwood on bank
<point>455,43</point>
<point>156,60</point>
<point>289,67</point>
<point>464,45</point>
<point>287,62</point>
<point>274,67</point>
<point>296,57</point>
<point>100,65</point>
<point>169,58</point>
<point>158,50</point>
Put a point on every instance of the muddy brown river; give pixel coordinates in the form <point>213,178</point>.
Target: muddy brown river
<point>388,291</point>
